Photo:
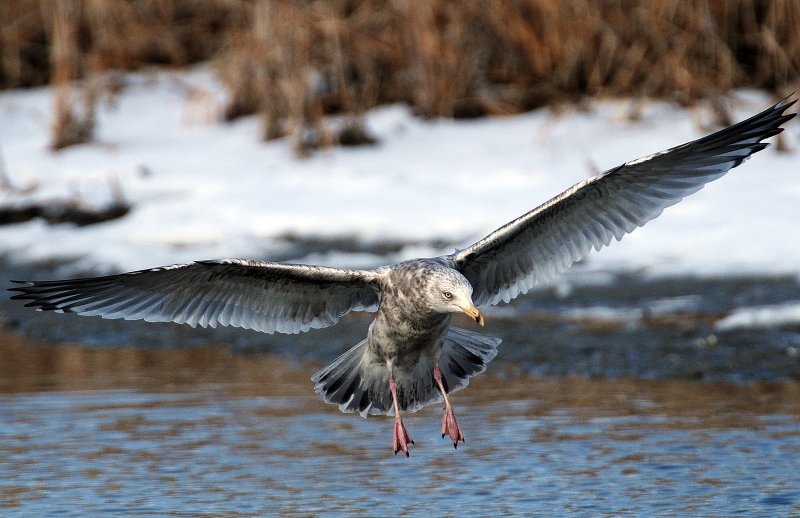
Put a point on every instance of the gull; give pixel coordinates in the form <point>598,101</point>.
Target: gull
<point>412,355</point>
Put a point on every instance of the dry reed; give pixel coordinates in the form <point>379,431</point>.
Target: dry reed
<point>297,60</point>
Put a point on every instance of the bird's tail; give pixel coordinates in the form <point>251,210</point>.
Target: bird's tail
<point>465,354</point>
<point>358,383</point>
<point>341,383</point>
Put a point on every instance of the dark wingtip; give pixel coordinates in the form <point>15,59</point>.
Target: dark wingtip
<point>785,99</point>
<point>783,105</point>
<point>19,288</point>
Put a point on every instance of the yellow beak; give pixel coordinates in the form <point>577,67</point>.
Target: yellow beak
<point>473,313</point>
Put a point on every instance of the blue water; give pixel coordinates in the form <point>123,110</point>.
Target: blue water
<point>121,432</point>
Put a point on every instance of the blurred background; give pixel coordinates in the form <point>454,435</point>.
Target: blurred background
<point>295,62</point>
<point>659,376</point>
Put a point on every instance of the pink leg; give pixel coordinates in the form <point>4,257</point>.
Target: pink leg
<point>401,438</point>
<point>449,423</point>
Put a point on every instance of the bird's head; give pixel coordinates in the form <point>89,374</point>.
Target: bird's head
<point>451,292</point>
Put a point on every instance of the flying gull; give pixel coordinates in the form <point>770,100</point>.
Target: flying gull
<point>412,356</point>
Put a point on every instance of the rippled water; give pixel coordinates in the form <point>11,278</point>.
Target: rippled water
<point>203,431</point>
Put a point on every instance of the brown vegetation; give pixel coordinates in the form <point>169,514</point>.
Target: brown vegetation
<point>295,61</point>
<point>73,110</point>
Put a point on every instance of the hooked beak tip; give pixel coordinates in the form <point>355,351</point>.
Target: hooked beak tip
<point>474,314</point>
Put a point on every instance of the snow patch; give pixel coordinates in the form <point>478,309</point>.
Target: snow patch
<point>761,317</point>
<point>204,189</point>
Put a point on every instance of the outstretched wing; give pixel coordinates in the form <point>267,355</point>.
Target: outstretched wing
<point>266,297</point>
<point>550,238</point>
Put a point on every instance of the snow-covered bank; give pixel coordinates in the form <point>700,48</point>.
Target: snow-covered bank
<point>761,316</point>
<point>203,189</point>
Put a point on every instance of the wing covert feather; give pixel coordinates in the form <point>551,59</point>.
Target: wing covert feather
<point>267,297</point>
<point>547,240</point>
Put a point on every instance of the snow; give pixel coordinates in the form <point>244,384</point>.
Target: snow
<point>761,317</point>
<point>204,189</point>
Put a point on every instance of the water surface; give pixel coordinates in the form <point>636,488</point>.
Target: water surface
<point>207,431</point>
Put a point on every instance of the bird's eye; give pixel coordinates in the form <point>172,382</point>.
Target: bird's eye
<point>447,295</point>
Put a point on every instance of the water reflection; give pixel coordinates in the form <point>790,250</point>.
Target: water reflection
<point>205,431</point>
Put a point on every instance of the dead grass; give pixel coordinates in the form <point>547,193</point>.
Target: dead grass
<point>73,107</point>
<point>297,60</point>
